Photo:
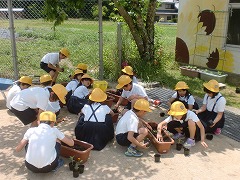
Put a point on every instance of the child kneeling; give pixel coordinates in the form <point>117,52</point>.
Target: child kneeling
<point>127,131</point>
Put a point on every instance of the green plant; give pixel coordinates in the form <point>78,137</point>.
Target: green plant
<point>71,158</point>
<point>78,162</point>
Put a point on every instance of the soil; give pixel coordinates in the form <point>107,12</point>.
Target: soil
<point>76,146</point>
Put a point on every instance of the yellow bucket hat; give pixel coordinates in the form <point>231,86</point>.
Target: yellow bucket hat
<point>123,80</point>
<point>181,85</point>
<point>65,52</point>
<point>77,71</point>
<point>177,109</point>
<point>45,78</point>
<point>98,95</point>
<point>60,91</point>
<point>212,85</point>
<point>142,104</point>
<point>82,66</point>
<point>47,116</point>
<point>86,76</point>
<point>128,70</point>
<point>26,80</point>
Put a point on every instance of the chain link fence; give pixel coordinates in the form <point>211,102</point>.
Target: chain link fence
<point>36,37</point>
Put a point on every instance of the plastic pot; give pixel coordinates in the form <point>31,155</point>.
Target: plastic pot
<point>157,157</point>
<point>75,173</point>
<point>71,165</point>
<point>179,146</point>
<point>186,151</point>
<point>81,168</point>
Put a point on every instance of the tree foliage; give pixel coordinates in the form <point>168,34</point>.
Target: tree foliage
<point>138,14</point>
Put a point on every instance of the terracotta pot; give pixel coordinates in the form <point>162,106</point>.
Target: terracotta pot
<point>67,151</point>
<point>108,101</point>
<point>116,98</point>
<point>162,147</point>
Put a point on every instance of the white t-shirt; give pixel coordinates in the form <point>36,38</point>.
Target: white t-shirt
<point>190,100</point>
<point>136,90</point>
<point>134,79</point>
<point>41,148</point>
<point>128,122</point>
<point>52,58</point>
<point>36,97</point>
<point>71,86</point>
<point>190,115</point>
<point>81,92</point>
<point>100,112</point>
<point>220,105</point>
<point>11,93</point>
<point>52,106</point>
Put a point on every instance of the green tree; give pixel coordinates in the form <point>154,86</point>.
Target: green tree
<point>138,14</point>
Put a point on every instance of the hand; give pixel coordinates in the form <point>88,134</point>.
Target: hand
<point>159,137</point>
<point>212,125</point>
<point>116,106</point>
<point>204,144</point>
<point>145,145</point>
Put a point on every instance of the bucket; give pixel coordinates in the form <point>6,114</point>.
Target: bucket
<point>100,84</point>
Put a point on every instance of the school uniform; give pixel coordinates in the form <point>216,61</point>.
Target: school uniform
<point>136,89</point>
<point>42,149</point>
<point>52,58</point>
<point>11,93</point>
<point>26,103</point>
<point>186,100</point>
<point>78,99</point>
<point>128,122</point>
<point>134,80</point>
<point>214,105</point>
<point>71,86</point>
<point>53,106</point>
<point>95,125</point>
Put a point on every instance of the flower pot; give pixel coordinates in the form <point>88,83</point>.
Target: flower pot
<point>186,151</point>
<point>71,165</point>
<point>189,72</point>
<point>109,101</point>
<point>209,137</point>
<point>157,157</point>
<point>179,146</point>
<point>207,76</point>
<point>116,97</point>
<point>81,168</point>
<point>75,173</point>
<point>67,151</point>
<point>162,147</point>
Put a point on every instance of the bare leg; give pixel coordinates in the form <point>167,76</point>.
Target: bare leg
<point>143,132</point>
<point>54,75</point>
<point>192,128</point>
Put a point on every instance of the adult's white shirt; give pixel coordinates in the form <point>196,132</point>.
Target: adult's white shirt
<point>36,97</point>
<point>41,148</point>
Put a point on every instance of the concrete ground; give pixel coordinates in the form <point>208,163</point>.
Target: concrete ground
<point>219,161</point>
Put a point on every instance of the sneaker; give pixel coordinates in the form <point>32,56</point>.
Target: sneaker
<point>218,131</point>
<point>189,143</point>
<point>132,151</point>
<point>178,136</point>
<point>60,164</point>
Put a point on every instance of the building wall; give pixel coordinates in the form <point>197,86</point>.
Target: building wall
<point>201,36</point>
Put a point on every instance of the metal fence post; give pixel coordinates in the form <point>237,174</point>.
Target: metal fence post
<point>119,43</point>
<point>100,40</point>
<point>12,37</point>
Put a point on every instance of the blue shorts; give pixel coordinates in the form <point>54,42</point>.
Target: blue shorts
<point>123,140</point>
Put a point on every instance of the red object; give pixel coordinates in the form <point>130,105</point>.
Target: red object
<point>156,102</point>
<point>124,63</point>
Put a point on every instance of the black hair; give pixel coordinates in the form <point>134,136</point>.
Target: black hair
<point>46,122</point>
<point>89,80</point>
<point>208,91</point>
<point>135,110</point>
<point>53,96</point>
<point>75,76</point>
<point>47,83</point>
<point>186,95</point>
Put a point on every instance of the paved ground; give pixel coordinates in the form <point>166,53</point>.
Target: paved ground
<point>219,161</point>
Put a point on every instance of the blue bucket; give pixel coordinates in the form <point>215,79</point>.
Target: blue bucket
<point>5,83</point>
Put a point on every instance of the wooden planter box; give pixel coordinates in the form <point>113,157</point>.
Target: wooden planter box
<point>162,147</point>
<point>67,151</point>
<point>189,72</point>
<point>206,76</point>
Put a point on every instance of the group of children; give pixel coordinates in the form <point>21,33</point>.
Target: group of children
<point>39,107</point>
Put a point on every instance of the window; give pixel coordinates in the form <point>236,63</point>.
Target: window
<point>168,6</point>
<point>169,18</point>
<point>233,29</point>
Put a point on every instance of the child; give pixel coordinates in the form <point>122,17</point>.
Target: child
<point>29,103</point>
<point>181,118</point>
<point>184,96</point>
<point>50,63</point>
<point>46,82</point>
<point>128,131</point>
<point>72,85</point>
<point>43,144</point>
<point>128,70</point>
<point>212,111</point>
<point>82,67</point>
<point>131,91</point>
<point>23,83</point>
<point>95,125</point>
<point>80,96</point>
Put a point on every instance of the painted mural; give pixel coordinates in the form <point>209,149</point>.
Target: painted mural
<point>201,35</point>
